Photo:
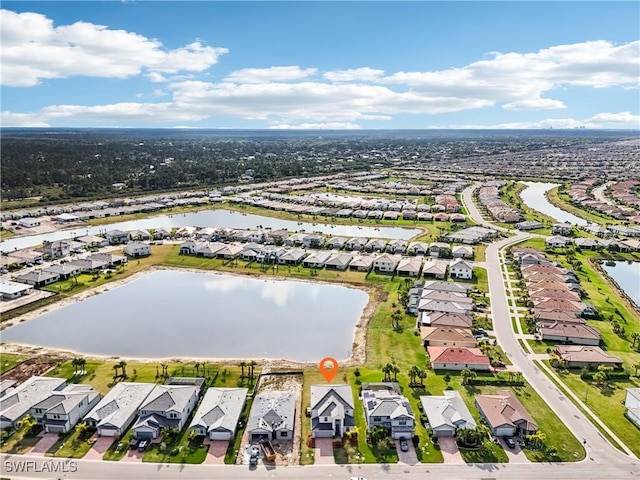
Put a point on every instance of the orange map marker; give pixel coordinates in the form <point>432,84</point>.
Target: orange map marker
<point>328,368</point>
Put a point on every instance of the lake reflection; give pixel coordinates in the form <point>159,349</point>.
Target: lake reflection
<point>627,276</point>
<point>170,313</point>
<point>534,197</point>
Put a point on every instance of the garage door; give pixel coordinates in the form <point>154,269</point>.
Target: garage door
<point>504,431</point>
<point>219,436</point>
<point>54,429</point>
<point>143,435</point>
<point>107,432</point>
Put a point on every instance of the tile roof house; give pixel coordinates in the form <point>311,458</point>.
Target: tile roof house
<point>458,358</point>
<point>63,409</point>
<point>447,337</point>
<point>435,268</point>
<point>385,406</point>
<point>332,409</point>
<point>118,408</point>
<point>38,278</point>
<point>165,406</point>
<point>218,414</point>
<point>505,415</point>
<point>272,416</point>
<point>580,356</point>
<point>577,333</point>
<point>410,266</point>
<point>447,413</point>
<point>361,263</point>
<point>460,268</point>
<point>338,261</point>
<point>444,319</point>
<point>386,262</point>
<point>632,405</point>
<point>15,405</point>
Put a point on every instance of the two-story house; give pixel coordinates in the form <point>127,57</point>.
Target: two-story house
<point>165,406</point>
<point>384,405</point>
<point>331,410</point>
<point>63,409</point>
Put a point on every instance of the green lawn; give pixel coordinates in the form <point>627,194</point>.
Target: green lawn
<point>10,360</point>
<point>119,447</point>
<point>563,201</point>
<point>74,445</point>
<point>19,441</point>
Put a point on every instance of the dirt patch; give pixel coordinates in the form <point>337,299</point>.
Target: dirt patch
<point>30,367</point>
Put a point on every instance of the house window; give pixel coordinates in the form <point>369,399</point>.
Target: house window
<point>402,422</point>
<point>284,434</point>
<point>376,419</point>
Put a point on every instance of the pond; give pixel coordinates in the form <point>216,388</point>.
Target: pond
<point>217,218</point>
<point>534,197</point>
<point>627,276</point>
<point>171,313</point>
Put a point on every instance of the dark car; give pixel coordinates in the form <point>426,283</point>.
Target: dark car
<point>253,462</point>
<point>133,443</point>
<point>510,442</point>
<point>404,446</point>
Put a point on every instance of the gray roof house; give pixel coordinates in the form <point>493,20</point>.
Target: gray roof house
<point>88,265</point>
<point>331,410</point>
<point>272,416</point>
<point>361,263</point>
<point>410,266</point>
<point>218,414</point>
<point>118,409</point>
<point>64,270</point>
<point>17,404</point>
<point>292,256</point>
<point>317,259</point>
<point>165,406</point>
<point>63,409</point>
<point>38,278</point>
<point>385,406</point>
<point>338,261</point>
<point>447,413</point>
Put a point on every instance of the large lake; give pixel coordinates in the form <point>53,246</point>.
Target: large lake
<point>170,313</point>
<point>627,276</point>
<point>534,197</point>
<point>217,218</point>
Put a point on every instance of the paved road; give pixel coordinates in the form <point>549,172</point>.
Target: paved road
<point>100,470</point>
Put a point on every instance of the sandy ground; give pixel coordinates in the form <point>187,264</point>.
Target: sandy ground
<point>358,355</point>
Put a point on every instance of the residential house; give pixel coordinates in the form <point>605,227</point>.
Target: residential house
<point>165,406</point>
<point>384,405</point>
<point>529,225</point>
<point>561,229</point>
<point>293,256</point>
<point>505,415</point>
<point>461,269</point>
<point>6,386</point>
<point>313,241</point>
<point>229,251</point>
<point>397,246</point>
<point>15,405</point>
<point>410,266</point>
<point>376,245</point>
<point>317,259</point>
<point>112,260</point>
<point>435,269</point>
<point>336,243</point>
<point>140,235</point>
<point>116,236</point>
<point>356,243</point>
<point>29,222</point>
<point>38,278</point>
<point>332,411</point>
<point>447,337</point>
<point>462,251</point>
<point>338,261</point>
<point>11,290</point>
<point>583,356</point>
<point>632,405</point>
<point>161,234</point>
<point>439,249</point>
<point>447,413</point>
<point>386,263</point>
<point>191,247</point>
<point>88,265</point>
<point>93,241</point>
<point>417,248</point>
<point>428,305</point>
<point>577,333</point>
<point>218,414</point>
<point>63,409</point>
<point>586,243</point>
<point>137,249</point>
<point>557,241</point>
<point>447,286</point>
<point>361,263</point>
<point>272,416</point>
<point>57,248</point>
<point>444,319</point>
<point>458,358</point>
<point>118,408</point>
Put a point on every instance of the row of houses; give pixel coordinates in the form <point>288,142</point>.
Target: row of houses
<point>489,196</point>
<point>580,194</point>
<point>555,298</point>
<point>444,319</point>
<point>625,193</point>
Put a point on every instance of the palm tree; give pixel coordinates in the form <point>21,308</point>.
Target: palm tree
<point>74,362</point>
<point>116,367</point>
<point>467,376</point>
<point>27,423</point>
<point>82,363</point>
<point>123,366</point>
<point>447,379</point>
<point>600,378</point>
<point>636,367</point>
<point>81,428</point>
<point>387,369</point>
<point>396,370</point>
<point>422,374</point>
<point>197,367</point>
<point>242,365</point>
<point>413,373</point>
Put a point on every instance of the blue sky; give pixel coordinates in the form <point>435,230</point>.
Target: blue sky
<point>321,64</point>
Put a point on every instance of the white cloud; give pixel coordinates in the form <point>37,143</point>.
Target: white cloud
<point>11,119</point>
<point>621,120</point>
<point>315,126</point>
<point>364,74</point>
<point>33,49</point>
<point>535,104</point>
<point>272,74</point>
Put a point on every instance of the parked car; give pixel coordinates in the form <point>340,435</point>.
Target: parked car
<point>133,443</point>
<point>510,442</point>
<point>142,446</point>
<point>253,462</point>
<point>404,446</point>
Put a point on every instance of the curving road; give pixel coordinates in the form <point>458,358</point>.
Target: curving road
<point>603,461</point>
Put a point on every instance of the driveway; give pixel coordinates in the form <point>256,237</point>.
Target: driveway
<point>216,452</point>
<point>449,449</point>
<point>43,445</point>
<point>408,458</point>
<point>133,455</point>
<point>99,447</point>
<point>516,455</point>
<point>324,451</point>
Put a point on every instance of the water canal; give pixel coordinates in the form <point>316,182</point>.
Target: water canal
<point>627,276</point>
<point>534,197</point>
<point>172,313</point>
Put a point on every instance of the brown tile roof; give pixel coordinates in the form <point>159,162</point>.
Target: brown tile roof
<point>505,408</point>
<point>457,355</point>
<point>450,319</point>
<point>461,337</point>
<point>570,330</point>
<point>559,293</point>
<point>584,353</point>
